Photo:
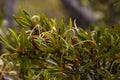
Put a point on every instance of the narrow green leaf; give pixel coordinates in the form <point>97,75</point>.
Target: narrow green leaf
<point>15,36</point>
<point>70,23</point>
<point>23,38</point>
<point>101,72</point>
<point>62,27</point>
<point>83,35</point>
<point>105,73</point>
<point>50,37</point>
<point>54,22</point>
<point>51,50</point>
<point>69,58</point>
<point>46,75</point>
<point>27,15</point>
<point>22,22</point>
<point>87,66</point>
<point>8,46</point>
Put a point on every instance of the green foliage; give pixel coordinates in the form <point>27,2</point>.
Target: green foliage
<point>44,50</point>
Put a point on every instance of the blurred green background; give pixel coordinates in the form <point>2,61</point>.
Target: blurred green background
<point>51,8</point>
<point>107,11</point>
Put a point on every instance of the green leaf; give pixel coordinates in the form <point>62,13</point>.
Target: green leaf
<point>105,73</point>
<point>62,27</point>
<point>44,21</point>
<point>23,38</point>
<point>70,23</point>
<point>87,66</point>
<point>7,45</point>
<point>83,35</point>
<point>23,22</point>
<point>53,69</point>
<point>54,22</point>
<point>46,75</point>
<point>51,50</point>
<point>15,36</point>
<point>50,37</point>
<point>26,14</point>
<point>69,58</point>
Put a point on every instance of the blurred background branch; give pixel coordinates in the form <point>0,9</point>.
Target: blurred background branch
<point>10,9</point>
<point>84,16</point>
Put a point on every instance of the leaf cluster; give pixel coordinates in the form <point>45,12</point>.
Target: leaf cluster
<point>44,50</point>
